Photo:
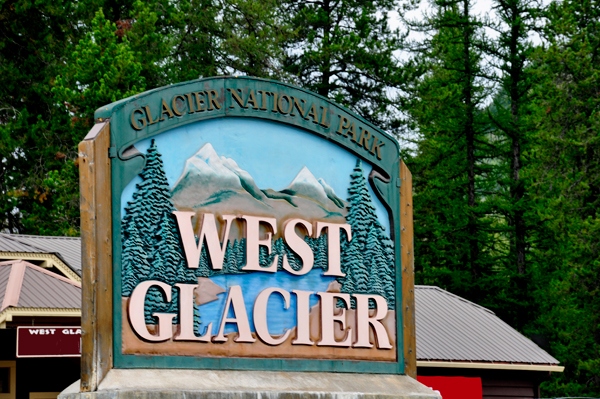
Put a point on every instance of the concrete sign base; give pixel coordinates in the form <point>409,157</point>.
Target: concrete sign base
<point>229,384</point>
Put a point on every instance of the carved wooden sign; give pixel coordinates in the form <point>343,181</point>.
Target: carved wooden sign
<point>253,225</point>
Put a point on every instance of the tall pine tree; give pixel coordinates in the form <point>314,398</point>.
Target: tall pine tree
<point>343,50</point>
<point>565,173</point>
<point>451,167</point>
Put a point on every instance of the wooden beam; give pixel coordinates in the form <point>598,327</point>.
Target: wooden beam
<point>96,254</point>
<point>408,272</point>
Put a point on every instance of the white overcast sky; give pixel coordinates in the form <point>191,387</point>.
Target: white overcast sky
<point>479,7</point>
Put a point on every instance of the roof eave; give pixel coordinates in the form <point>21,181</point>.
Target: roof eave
<point>7,314</point>
<point>491,366</point>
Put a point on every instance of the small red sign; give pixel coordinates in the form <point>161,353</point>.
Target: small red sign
<point>454,387</point>
<point>50,341</point>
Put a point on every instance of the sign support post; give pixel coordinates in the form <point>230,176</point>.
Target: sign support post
<point>96,249</point>
<point>408,272</point>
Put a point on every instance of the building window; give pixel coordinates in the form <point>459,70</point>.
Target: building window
<point>4,380</point>
<point>8,379</point>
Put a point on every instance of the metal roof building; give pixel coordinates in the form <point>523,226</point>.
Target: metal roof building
<point>25,285</point>
<point>40,277</point>
<point>458,338</point>
<point>62,253</point>
<point>454,337</point>
<point>40,286</point>
<point>451,329</point>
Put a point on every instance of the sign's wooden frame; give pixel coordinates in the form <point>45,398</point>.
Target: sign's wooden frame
<point>107,165</point>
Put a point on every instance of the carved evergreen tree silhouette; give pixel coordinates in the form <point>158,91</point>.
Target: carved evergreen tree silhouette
<point>368,260</point>
<point>320,252</point>
<point>375,286</point>
<point>377,262</point>
<point>352,260</point>
<point>155,299</point>
<point>168,246</point>
<point>149,229</point>
<point>313,244</point>
<point>264,258</point>
<point>361,211</point>
<point>235,252</point>
<point>279,248</point>
<point>230,260</point>
<point>241,255</point>
<point>388,273</point>
<point>134,264</point>
<point>197,320</point>
<point>204,269</point>
<point>292,257</point>
<point>151,200</point>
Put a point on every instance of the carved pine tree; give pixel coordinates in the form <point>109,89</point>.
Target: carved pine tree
<point>134,264</point>
<point>155,299</point>
<point>151,200</point>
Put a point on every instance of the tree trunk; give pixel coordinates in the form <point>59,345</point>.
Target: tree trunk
<point>470,136</point>
<point>326,71</point>
<point>517,190</point>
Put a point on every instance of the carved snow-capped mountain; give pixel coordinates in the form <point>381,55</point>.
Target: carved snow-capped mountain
<point>331,194</point>
<point>206,166</point>
<point>206,174</point>
<point>306,184</point>
<point>213,183</point>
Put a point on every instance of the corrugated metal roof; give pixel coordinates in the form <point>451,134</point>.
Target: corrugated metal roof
<point>7,244</point>
<point>450,328</point>
<point>68,249</point>
<point>4,274</point>
<point>40,288</point>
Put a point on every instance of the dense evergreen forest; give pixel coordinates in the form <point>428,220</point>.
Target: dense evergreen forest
<point>498,116</point>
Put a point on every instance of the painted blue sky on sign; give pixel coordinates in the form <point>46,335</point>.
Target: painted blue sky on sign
<point>272,153</point>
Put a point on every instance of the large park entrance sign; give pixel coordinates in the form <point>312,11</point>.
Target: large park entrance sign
<point>238,223</point>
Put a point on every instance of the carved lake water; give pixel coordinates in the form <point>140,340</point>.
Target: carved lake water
<point>278,319</point>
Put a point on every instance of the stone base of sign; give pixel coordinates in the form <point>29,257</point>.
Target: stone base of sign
<point>228,384</point>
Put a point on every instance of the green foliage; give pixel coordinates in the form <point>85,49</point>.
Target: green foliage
<point>504,139</point>
<point>565,175</point>
<point>514,226</point>
<point>204,268</point>
<point>343,50</point>
<point>361,212</point>
<point>252,37</point>
<point>104,70</point>
<point>151,201</point>
<point>167,246</point>
<point>38,169</point>
<point>454,176</point>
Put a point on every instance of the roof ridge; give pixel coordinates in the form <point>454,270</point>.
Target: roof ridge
<point>12,238</point>
<point>434,287</point>
<point>10,235</point>
<point>14,285</point>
